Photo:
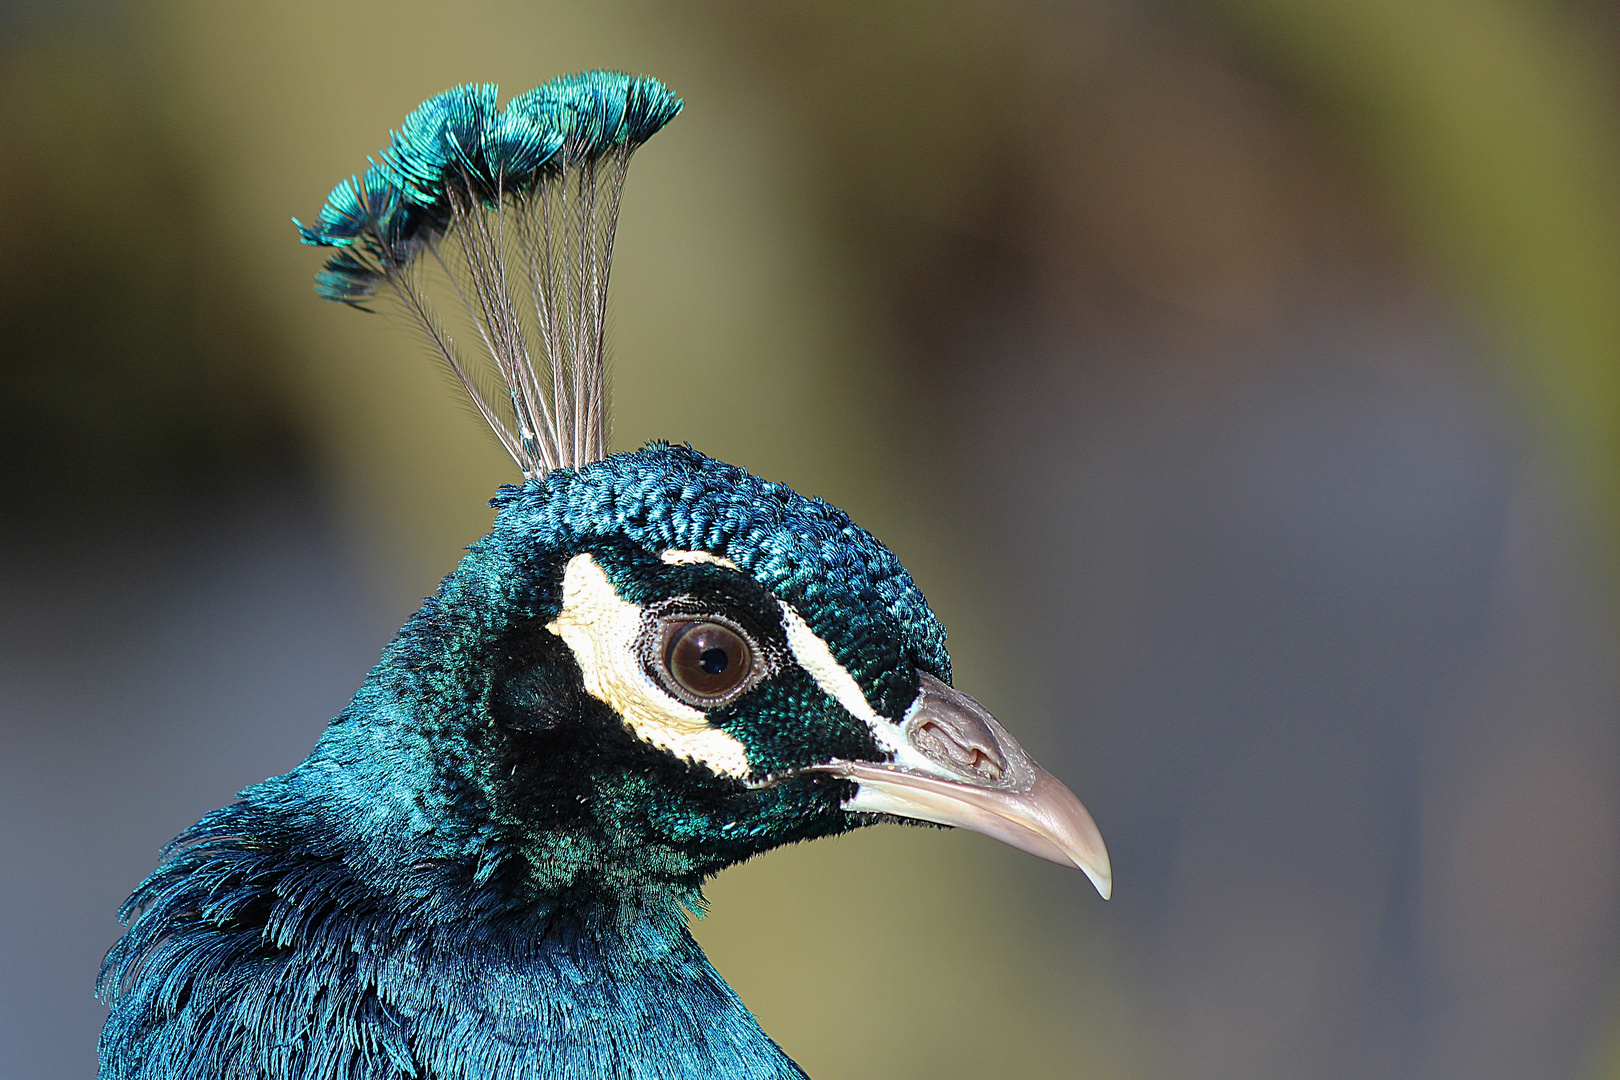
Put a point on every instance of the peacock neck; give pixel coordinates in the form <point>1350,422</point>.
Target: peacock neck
<point>378,914</point>
<point>592,992</point>
<point>254,961</point>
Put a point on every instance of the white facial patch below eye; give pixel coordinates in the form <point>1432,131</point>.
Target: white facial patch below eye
<point>601,629</point>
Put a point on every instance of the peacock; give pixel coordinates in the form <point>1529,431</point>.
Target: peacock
<point>655,666</point>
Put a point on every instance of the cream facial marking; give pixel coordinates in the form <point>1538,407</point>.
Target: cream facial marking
<point>814,655</point>
<point>601,629</point>
<point>686,558</point>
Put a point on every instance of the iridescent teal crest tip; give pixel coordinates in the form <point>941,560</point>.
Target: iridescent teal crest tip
<point>530,194</point>
<point>459,143</point>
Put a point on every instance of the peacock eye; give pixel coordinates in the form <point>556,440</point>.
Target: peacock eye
<point>705,662</point>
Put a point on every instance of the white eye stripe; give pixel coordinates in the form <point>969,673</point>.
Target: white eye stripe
<point>816,657</point>
<point>601,629</point>
<point>676,557</point>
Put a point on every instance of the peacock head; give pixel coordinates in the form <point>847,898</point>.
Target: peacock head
<point>656,664</point>
<point>688,665</point>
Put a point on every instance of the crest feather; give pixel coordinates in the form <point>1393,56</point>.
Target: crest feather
<point>516,209</point>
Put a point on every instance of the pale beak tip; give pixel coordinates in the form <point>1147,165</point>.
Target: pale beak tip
<point>1016,802</point>
<point>1101,877</point>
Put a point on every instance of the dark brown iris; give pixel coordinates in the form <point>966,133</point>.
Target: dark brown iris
<point>708,660</point>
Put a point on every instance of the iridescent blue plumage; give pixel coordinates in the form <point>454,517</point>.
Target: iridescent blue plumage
<point>459,144</point>
<point>369,210</point>
<point>393,908</point>
<point>655,666</point>
<point>443,138</point>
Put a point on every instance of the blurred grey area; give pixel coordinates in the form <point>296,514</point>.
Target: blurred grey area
<point>1271,558</point>
<point>141,683</point>
<point>1324,648</point>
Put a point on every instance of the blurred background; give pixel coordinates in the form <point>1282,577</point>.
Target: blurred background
<point>1239,378</point>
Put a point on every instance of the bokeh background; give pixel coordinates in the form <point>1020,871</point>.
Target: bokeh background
<point>1239,378</point>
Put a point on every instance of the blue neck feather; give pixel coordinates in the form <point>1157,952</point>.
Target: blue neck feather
<point>352,919</point>
<point>466,879</point>
<point>287,967</point>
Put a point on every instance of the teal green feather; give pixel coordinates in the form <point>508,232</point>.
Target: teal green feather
<point>459,142</point>
<point>479,872</point>
<point>445,134</point>
<point>482,870</point>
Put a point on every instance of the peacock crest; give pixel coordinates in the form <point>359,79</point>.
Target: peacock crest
<point>511,212</point>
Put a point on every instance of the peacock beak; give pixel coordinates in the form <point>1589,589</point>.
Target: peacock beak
<point>957,766</point>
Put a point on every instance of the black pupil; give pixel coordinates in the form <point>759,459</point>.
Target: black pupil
<point>707,659</point>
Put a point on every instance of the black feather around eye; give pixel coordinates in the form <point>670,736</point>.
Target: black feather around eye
<point>539,688</point>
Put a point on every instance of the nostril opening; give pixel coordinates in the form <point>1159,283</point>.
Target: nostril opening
<point>984,763</point>
<point>942,744</point>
